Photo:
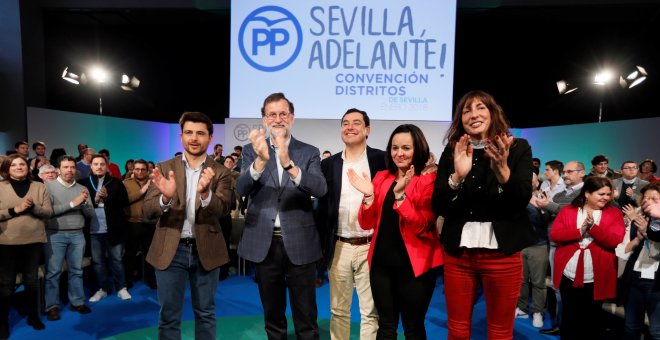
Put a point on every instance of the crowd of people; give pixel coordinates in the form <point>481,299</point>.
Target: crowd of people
<point>385,223</point>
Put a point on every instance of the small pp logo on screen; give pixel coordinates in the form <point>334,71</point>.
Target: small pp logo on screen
<point>270,38</point>
<point>241,132</point>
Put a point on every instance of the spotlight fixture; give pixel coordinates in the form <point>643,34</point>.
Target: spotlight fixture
<point>603,78</point>
<point>71,77</point>
<point>564,87</point>
<point>634,78</point>
<point>99,74</point>
<point>129,83</point>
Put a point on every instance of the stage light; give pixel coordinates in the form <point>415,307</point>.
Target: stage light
<point>99,74</point>
<point>129,83</point>
<point>71,77</point>
<point>636,77</point>
<point>564,87</point>
<point>603,77</point>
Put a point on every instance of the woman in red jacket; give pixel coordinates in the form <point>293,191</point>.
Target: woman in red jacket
<point>405,247</point>
<point>586,233</point>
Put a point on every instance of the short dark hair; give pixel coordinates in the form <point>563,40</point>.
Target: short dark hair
<point>654,167</point>
<point>37,143</point>
<point>555,165</point>
<point>627,162</point>
<point>215,146</point>
<point>98,155</point>
<point>105,152</point>
<point>538,160</point>
<point>650,186</point>
<point>196,117</point>
<point>6,163</point>
<point>591,184</point>
<point>273,97</point>
<point>65,158</point>
<point>238,147</point>
<point>421,148</point>
<point>326,151</point>
<point>141,161</point>
<point>20,143</point>
<point>364,114</point>
<point>599,158</point>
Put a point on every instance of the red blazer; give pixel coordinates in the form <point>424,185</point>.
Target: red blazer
<point>416,220</point>
<point>607,235</point>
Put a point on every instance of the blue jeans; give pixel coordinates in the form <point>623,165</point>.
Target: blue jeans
<point>100,249</point>
<point>61,245</point>
<point>641,299</point>
<point>171,291</point>
<point>555,316</point>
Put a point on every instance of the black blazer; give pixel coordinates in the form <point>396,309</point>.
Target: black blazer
<point>114,205</point>
<point>328,208</point>
<point>483,199</point>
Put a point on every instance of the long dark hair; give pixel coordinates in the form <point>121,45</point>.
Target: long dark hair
<point>420,153</point>
<point>498,121</point>
<point>591,185</point>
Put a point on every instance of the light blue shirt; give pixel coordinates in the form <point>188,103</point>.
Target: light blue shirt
<point>192,179</point>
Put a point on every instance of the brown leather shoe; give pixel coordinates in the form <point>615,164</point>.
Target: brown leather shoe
<point>82,309</point>
<point>53,314</point>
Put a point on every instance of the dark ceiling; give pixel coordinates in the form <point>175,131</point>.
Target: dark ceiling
<point>515,52</point>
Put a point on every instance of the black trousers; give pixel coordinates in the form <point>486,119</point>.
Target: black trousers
<point>582,316</point>
<point>397,292</point>
<point>275,274</point>
<point>139,239</point>
<point>24,259</point>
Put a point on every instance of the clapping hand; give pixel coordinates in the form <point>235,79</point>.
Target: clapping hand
<point>361,183</point>
<point>80,199</point>
<point>166,186</point>
<point>204,182</point>
<point>462,157</point>
<point>26,204</point>
<point>402,183</point>
<point>498,152</point>
<point>260,146</point>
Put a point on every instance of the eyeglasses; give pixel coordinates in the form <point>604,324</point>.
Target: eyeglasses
<point>630,168</point>
<point>273,115</point>
<point>569,171</point>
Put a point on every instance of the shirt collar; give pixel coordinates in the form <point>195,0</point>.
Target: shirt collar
<point>187,165</point>
<point>59,179</point>
<point>272,146</point>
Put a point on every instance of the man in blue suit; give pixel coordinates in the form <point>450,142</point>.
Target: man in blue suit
<point>279,175</point>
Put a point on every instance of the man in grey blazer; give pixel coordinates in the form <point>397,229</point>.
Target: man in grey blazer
<point>627,189</point>
<point>279,175</point>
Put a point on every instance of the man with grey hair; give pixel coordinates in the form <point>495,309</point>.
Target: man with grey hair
<point>84,166</point>
<point>47,173</point>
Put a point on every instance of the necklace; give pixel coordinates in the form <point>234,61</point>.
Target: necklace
<point>480,144</point>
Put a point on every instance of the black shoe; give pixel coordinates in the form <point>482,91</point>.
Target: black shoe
<point>551,331</point>
<point>36,323</point>
<point>53,314</point>
<point>82,309</point>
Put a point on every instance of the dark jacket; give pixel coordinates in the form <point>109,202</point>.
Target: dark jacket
<point>114,205</point>
<point>328,209</point>
<point>482,199</point>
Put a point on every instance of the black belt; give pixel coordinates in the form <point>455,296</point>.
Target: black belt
<point>356,241</point>
<point>189,241</point>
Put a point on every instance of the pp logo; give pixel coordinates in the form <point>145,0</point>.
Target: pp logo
<point>241,132</point>
<point>270,38</point>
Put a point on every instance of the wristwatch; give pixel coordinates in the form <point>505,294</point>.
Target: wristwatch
<point>289,167</point>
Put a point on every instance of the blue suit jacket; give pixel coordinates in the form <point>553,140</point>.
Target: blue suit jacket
<point>328,210</point>
<point>267,197</point>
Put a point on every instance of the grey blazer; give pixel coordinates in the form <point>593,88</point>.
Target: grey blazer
<point>637,188</point>
<point>267,197</point>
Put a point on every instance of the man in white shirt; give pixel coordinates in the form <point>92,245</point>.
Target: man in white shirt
<point>347,245</point>
<point>553,183</point>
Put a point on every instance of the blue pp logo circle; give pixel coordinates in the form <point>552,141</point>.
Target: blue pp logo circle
<point>270,38</point>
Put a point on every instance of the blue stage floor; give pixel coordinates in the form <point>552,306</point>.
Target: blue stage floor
<point>239,317</point>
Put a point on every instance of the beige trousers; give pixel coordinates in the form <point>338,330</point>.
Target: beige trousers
<point>349,270</point>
